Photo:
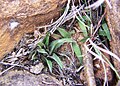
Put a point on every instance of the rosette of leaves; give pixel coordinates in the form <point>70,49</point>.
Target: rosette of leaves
<point>48,48</point>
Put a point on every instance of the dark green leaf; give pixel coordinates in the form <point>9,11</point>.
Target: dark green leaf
<point>57,43</point>
<point>42,51</point>
<point>46,39</point>
<point>72,32</point>
<point>49,63</point>
<point>77,51</point>
<point>56,36</point>
<point>98,52</point>
<point>33,55</point>
<point>40,45</point>
<point>86,18</point>
<point>57,59</point>
<point>105,28</point>
<point>101,32</point>
<point>83,28</point>
<point>64,33</point>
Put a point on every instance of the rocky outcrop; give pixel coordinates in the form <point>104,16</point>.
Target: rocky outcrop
<point>18,17</point>
<point>24,78</point>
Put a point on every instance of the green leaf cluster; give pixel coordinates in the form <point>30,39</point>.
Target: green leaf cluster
<point>48,49</point>
<point>104,31</point>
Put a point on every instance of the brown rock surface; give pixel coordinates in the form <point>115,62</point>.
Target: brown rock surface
<point>24,78</point>
<point>18,17</point>
<point>113,19</point>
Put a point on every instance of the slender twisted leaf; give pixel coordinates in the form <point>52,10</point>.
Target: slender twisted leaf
<point>77,51</point>
<point>33,55</point>
<point>46,39</point>
<point>83,27</point>
<point>57,59</point>
<point>40,45</point>
<point>42,51</point>
<point>49,63</point>
<point>56,36</point>
<point>105,28</point>
<point>101,32</point>
<point>64,33</point>
<point>57,43</point>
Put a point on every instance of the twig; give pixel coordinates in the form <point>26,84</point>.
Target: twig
<point>90,51</point>
<point>98,3</point>
<point>7,70</point>
<point>88,68</point>
<point>98,25</point>
<point>106,51</point>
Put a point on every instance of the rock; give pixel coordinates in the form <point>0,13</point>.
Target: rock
<point>18,17</point>
<point>113,19</point>
<point>24,78</point>
<point>37,68</point>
